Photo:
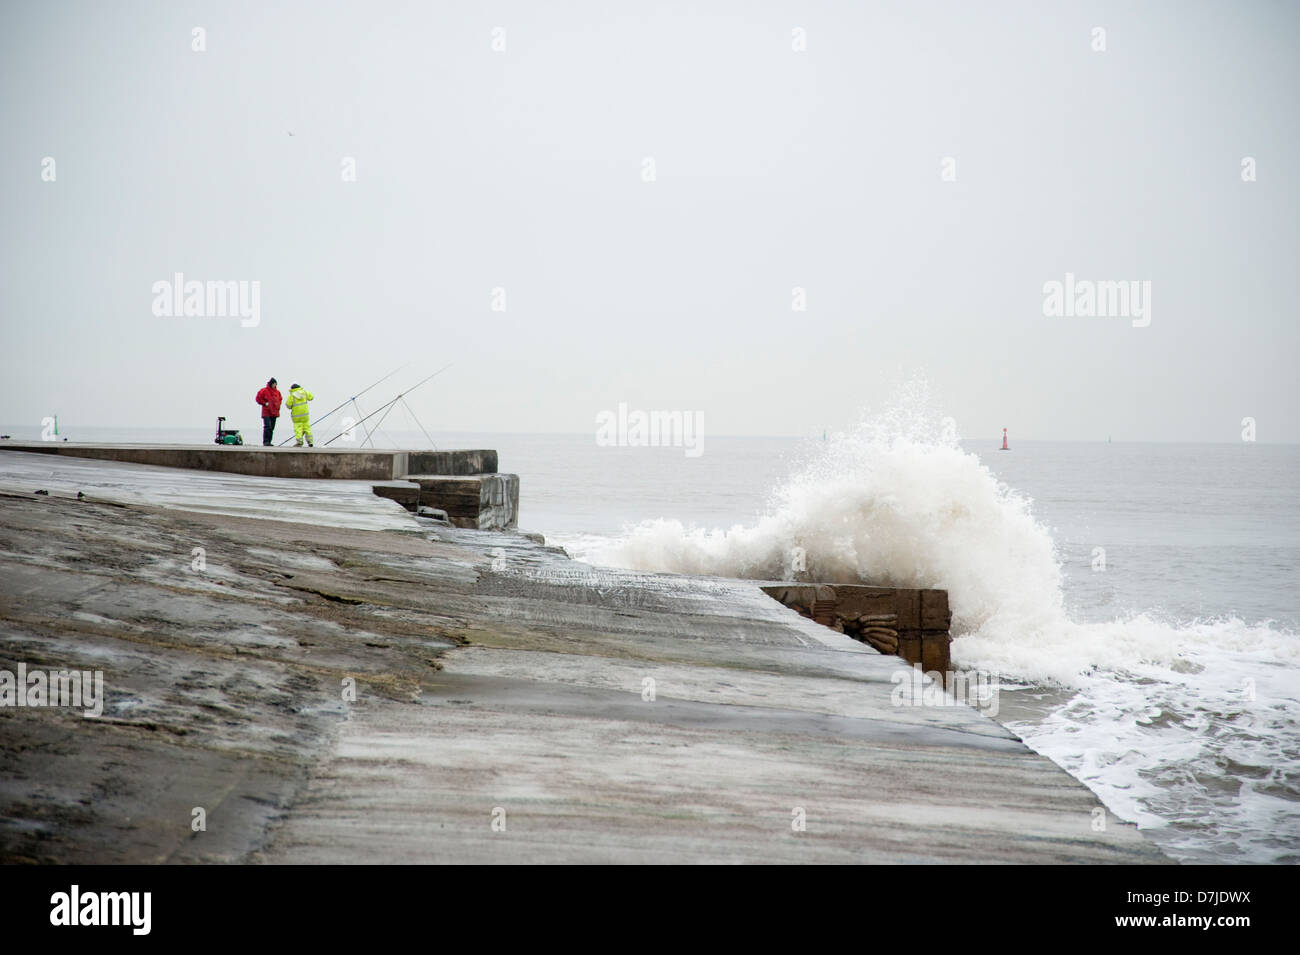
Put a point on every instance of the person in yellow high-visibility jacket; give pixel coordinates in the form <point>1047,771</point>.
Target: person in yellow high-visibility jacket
<point>297,405</point>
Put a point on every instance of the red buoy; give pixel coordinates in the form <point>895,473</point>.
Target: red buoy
<point>1004,441</point>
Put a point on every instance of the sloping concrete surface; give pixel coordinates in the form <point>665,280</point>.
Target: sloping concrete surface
<point>337,503</point>
<point>502,710</point>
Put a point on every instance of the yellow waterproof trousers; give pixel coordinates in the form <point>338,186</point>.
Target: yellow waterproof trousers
<point>297,404</point>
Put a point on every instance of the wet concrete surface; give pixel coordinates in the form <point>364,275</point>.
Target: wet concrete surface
<point>502,709</point>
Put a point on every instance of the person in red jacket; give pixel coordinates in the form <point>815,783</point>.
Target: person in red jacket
<point>269,398</point>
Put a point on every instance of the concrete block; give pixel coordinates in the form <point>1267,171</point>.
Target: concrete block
<point>935,614</point>
<point>908,608</point>
<point>481,502</point>
<point>451,463</point>
<point>909,647</point>
<point>405,493</point>
<point>935,649</point>
<point>901,620</point>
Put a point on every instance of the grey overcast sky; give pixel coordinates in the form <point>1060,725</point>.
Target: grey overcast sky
<point>775,168</point>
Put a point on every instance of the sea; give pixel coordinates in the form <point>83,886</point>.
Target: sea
<point>1138,604</point>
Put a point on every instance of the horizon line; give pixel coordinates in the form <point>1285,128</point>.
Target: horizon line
<point>995,438</point>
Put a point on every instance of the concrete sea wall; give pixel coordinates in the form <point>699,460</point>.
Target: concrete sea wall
<point>333,463</point>
<point>431,694</point>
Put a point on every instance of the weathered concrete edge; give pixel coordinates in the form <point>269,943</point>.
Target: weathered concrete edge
<point>314,463</point>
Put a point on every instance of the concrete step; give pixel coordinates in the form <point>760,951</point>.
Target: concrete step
<point>478,501</point>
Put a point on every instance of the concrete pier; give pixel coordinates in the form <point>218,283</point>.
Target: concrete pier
<point>463,483</point>
<point>288,462</point>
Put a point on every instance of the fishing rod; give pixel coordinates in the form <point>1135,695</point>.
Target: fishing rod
<point>350,400</point>
<point>384,407</point>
